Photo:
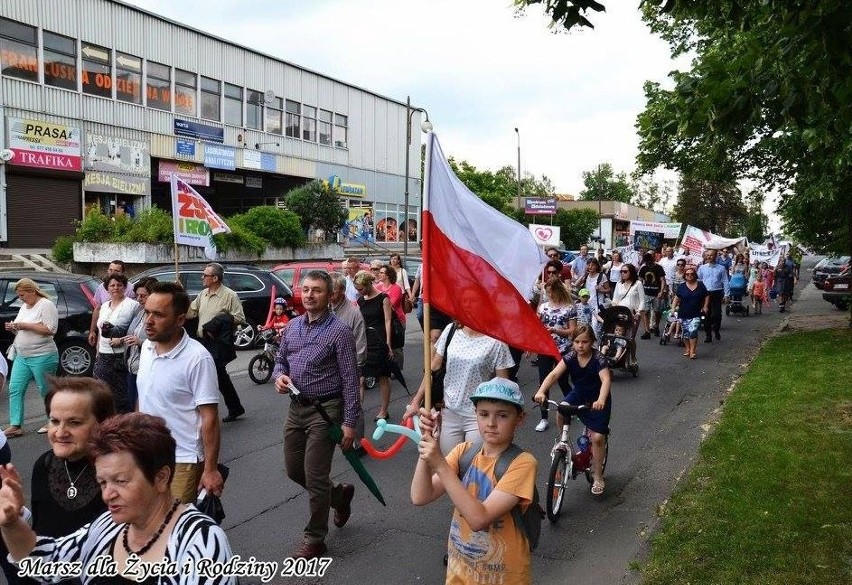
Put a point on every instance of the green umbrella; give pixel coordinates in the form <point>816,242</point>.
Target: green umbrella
<point>336,434</point>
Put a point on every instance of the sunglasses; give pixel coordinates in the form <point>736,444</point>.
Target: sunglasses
<point>690,274</point>
<point>552,255</point>
<point>551,272</point>
<point>624,271</point>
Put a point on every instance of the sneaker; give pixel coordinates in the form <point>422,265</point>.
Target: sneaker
<point>542,425</point>
<point>646,335</point>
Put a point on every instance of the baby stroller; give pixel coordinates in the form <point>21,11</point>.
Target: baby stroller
<point>671,330</point>
<point>737,289</point>
<point>620,317</point>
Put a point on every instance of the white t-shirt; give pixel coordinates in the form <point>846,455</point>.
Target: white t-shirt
<point>29,343</point>
<point>172,385</point>
<point>120,316</point>
<point>669,265</point>
<point>472,361</point>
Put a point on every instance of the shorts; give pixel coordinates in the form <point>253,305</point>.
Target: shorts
<point>655,304</point>
<point>691,327</point>
<point>595,420</point>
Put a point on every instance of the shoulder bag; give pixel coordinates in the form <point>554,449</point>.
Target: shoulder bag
<point>439,374</point>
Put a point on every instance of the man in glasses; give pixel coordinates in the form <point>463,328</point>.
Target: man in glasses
<point>218,307</point>
<point>715,278</point>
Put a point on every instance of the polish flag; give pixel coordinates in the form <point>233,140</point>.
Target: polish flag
<point>479,265</point>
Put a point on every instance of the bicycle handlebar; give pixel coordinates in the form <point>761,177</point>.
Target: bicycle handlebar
<point>566,409</point>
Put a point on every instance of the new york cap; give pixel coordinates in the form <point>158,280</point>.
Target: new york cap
<point>499,389</point>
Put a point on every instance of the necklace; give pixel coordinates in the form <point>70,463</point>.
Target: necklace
<point>126,543</point>
<point>71,492</point>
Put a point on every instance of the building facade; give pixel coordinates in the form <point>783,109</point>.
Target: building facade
<point>101,102</point>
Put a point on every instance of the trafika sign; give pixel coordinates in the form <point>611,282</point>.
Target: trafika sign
<point>545,235</point>
<point>44,145</point>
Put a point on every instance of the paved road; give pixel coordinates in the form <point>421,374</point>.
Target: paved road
<point>658,421</point>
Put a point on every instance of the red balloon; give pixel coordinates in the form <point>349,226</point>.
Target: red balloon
<point>390,451</point>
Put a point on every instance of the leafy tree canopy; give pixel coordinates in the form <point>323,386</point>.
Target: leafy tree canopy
<point>499,189</point>
<point>576,226</point>
<point>717,207</point>
<point>603,184</point>
<point>318,205</point>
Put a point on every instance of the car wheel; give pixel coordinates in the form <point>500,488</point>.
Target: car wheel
<point>76,358</point>
<point>842,305</point>
<point>245,336</point>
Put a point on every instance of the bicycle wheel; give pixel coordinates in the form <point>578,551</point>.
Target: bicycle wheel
<point>556,484</point>
<point>260,369</point>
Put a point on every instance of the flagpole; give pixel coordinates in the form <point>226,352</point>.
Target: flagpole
<point>424,280</point>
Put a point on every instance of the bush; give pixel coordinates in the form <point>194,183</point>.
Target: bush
<point>152,226</point>
<point>63,249</point>
<point>279,227</point>
<point>95,227</point>
<point>240,239</point>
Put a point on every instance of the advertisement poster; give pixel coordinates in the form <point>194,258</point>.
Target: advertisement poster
<point>44,145</point>
<point>409,227</point>
<point>387,228</point>
<point>121,155</point>
<point>359,225</point>
<point>647,240</point>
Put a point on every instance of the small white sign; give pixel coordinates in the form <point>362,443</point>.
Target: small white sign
<point>545,235</point>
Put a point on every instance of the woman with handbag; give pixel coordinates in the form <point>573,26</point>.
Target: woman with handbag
<point>114,319</point>
<point>388,277</point>
<point>33,350</point>
<point>468,359</point>
<point>629,292</point>
<point>376,310</point>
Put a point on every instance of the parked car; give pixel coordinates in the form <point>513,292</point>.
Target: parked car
<point>74,297</point>
<point>829,267</point>
<point>291,273</point>
<point>837,290</point>
<point>256,288</point>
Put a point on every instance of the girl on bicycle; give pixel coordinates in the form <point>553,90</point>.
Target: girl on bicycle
<point>589,371</point>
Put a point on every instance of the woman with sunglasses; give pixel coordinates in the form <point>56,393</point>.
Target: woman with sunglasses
<point>693,301</point>
<point>612,269</point>
<point>552,269</point>
<point>629,292</point>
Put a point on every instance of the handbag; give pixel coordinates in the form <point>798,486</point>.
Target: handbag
<point>11,352</point>
<point>438,375</point>
<point>397,332</point>
<point>210,504</point>
<point>407,305</point>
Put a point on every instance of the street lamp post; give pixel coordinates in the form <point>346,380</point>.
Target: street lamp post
<point>425,126</point>
<point>519,167</point>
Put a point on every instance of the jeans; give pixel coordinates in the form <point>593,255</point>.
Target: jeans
<point>25,369</point>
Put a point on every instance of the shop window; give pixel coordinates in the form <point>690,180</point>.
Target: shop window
<point>341,131</point>
<point>186,93</point>
<point>309,121</point>
<point>294,125</point>
<point>324,126</point>
<point>254,109</point>
<point>97,70</point>
<point>387,222</point>
<point>233,105</point>
<point>60,61</point>
<point>211,99</point>
<point>158,88</point>
<point>273,116</point>
<point>128,78</point>
<point>18,51</point>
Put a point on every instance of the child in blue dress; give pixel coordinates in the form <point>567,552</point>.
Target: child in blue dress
<point>590,375</point>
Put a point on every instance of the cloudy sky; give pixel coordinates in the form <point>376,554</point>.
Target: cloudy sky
<point>477,68</point>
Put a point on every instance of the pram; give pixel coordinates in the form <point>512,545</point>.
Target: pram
<point>614,317</point>
<point>737,289</point>
<point>672,323</point>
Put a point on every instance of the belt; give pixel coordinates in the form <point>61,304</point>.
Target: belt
<point>308,400</point>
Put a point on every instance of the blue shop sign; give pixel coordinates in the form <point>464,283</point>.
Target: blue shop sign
<point>219,157</point>
<point>199,131</point>
<point>267,162</point>
<point>185,147</point>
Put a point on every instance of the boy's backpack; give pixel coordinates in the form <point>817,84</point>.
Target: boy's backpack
<point>528,522</point>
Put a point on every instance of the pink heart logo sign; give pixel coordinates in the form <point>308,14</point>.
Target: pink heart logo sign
<point>543,233</point>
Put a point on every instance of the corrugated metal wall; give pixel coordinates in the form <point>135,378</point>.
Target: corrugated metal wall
<point>376,126</point>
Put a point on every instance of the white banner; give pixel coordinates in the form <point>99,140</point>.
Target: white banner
<point>670,231</point>
<point>545,235</point>
<point>195,222</point>
<point>772,255</point>
<point>696,240</point>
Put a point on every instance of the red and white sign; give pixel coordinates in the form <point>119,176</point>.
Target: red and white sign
<point>195,222</point>
<point>44,145</point>
<point>189,172</point>
<point>546,235</point>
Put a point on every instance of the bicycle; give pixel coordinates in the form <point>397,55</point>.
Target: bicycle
<point>566,461</point>
<point>260,366</point>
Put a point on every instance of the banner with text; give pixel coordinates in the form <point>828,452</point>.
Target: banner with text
<point>540,206</point>
<point>770,254</point>
<point>40,144</point>
<point>195,222</point>
<point>670,231</point>
<point>696,240</point>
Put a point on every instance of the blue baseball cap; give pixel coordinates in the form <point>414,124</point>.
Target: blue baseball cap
<point>499,389</point>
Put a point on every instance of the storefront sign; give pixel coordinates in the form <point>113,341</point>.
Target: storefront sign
<point>253,159</point>
<point>223,178</point>
<point>200,131</point>
<point>44,145</point>
<point>540,206</point>
<point>113,154</point>
<point>190,172</point>
<point>185,147</point>
<point>101,182</point>
<point>346,189</point>
<point>219,157</point>
<point>254,182</point>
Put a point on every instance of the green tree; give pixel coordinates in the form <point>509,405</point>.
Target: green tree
<point>757,223</point>
<point>651,194</point>
<point>717,207</point>
<point>603,184</point>
<point>499,189</point>
<point>318,205</point>
<point>576,226</point>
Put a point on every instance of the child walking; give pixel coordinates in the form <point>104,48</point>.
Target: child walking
<point>484,545</point>
<point>758,294</point>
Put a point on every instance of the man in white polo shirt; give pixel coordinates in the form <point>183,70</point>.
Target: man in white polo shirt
<point>177,381</point>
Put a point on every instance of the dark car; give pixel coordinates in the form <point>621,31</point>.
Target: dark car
<point>256,288</point>
<point>829,267</point>
<point>74,297</point>
<point>291,273</point>
<point>836,289</point>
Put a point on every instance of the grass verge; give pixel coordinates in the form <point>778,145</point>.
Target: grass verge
<point>770,499</point>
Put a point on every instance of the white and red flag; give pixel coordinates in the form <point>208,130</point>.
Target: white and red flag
<point>195,222</point>
<point>479,265</point>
